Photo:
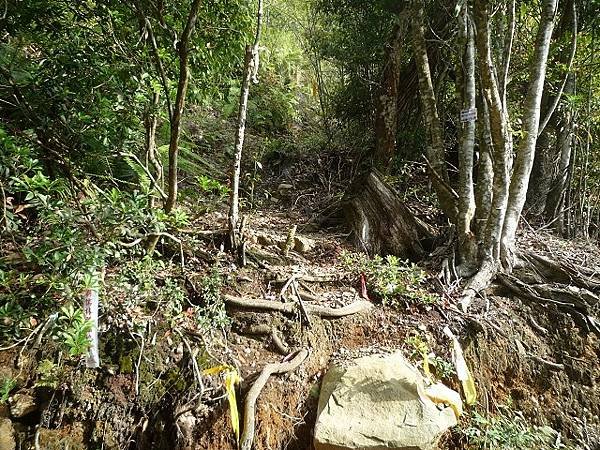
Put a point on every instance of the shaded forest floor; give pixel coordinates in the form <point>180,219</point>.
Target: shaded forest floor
<point>161,325</point>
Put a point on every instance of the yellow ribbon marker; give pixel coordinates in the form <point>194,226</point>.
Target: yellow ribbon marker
<point>462,371</point>
<point>232,378</point>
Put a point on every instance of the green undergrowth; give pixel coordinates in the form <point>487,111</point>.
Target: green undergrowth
<point>392,280</point>
<point>509,430</point>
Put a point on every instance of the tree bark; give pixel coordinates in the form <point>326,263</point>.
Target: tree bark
<point>531,118</point>
<point>386,122</point>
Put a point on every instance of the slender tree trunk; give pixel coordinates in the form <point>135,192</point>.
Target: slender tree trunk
<point>182,85</point>
<point>152,161</point>
<point>531,119</point>
<point>556,197</point>
<point>485,172</point>
<point>507,51</point>
<point>435,149</point>
<point>250,69</point>
<point>499,130</point>
<point>542,178</point>
<point>466,202</point>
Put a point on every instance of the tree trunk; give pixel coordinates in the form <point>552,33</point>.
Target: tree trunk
<point>541,173</point>
<point>542,177</point>
<point>386,122</point>
<point>152,161</point>
<point>182,85</point>
<point>435,149</point>
<point>556,196</point>
<point>531,119</point>
<point>250,71</point>
<point>501,144</point>
<point>381,223</point>
<point>485,172</point>
<point>467,244</point>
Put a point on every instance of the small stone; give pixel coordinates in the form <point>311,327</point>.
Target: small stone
<point>7,435</point>
<point>303,244</point>
<point>22,404</point>
<point>284,187</point>
<point>265,240</point>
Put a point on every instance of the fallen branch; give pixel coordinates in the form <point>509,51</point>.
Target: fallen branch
<point>290,308</point>
<point>293,361</point>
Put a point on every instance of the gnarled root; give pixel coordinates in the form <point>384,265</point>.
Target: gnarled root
<point>290,363</point>
<point>577,301</point>
<point>290,308</point>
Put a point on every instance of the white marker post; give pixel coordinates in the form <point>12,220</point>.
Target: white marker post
<point>90,312</point>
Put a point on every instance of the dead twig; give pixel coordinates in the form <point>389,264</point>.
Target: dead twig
<point>301,304</point>
<point>286,286</point>
<point>290,363</point>
<point>192,354</point>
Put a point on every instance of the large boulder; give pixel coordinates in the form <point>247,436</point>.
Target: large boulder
<point>7,435</point>
<point>378,402</point>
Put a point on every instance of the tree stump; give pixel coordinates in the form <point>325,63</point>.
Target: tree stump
<point>381,222</point>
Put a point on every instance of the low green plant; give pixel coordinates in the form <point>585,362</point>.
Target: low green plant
<point>509,430</point>
<point>12,317</point>
<point>48,374</point>
<point>390,278</point>
<point>6,386</point>
<point>212,314</point>
<point>72,330</point>
<point>212,186</point>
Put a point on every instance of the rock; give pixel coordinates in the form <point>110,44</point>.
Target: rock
<point>265,240</point>
<point>378,402</point>
<point>303,244</point>
<point>284,188</point>
<point>7,435</point>
<point>21,404</point>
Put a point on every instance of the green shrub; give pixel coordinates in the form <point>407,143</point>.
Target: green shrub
<point>390,278</point>
<point>508,430</point>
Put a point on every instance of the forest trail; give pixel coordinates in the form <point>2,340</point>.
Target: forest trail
<point>527,356</point>
<point>524,356</point>
<point>208,207</point>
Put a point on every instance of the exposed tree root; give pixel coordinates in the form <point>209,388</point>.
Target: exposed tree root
<point>290,308</point>
<point>579,302</point>
<point>271,331</point>
<point>290,363</point>
<point>560,271</point>
<point>477,283</point>
<point>538,278</point>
